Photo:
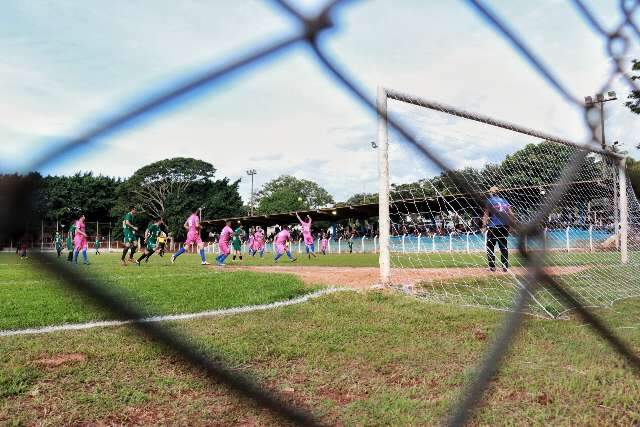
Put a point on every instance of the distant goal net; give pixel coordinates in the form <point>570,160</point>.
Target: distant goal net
<point>432,240</point>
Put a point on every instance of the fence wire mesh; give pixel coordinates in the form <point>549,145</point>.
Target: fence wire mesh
<point>617,42</point>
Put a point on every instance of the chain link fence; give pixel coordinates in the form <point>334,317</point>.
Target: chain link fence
<point>16,200</point>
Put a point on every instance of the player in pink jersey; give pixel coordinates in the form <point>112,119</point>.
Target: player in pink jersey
<point>324,246</point>
<point>307,236</point>
<point>192,224</point>
<point>80,241</point>
<point>258,241</point>
<point>251,242</point>
<point>282,238</point>
<point>224,243</point>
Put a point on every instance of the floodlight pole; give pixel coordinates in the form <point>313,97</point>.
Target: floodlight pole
<point>600,99</point>
<point>251,173</point>
<point>384,221</point>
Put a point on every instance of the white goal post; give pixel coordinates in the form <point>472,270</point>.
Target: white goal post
<point>385,222</point>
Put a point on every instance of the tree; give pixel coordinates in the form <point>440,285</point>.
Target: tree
<point>633,172</point>
<point>68,196</point>
<point>287,193</point>
<point>634,96</point>
<point>361,198</point>
<point>171,188</point>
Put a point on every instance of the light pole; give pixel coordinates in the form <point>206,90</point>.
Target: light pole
<point>251,173</point>
<point>600,99</point>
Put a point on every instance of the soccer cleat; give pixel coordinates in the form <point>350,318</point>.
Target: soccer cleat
<point>491,269</point>
<point>294,259</point>
<point>505,269</point>
<point>205,263</point>
<point>138,263</point>
<point>219,264</point>
<point>173,259</point>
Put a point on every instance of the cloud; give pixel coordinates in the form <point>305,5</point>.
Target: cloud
<point>287,115</point>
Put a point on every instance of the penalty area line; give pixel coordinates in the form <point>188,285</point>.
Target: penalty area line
<point>171,317</point>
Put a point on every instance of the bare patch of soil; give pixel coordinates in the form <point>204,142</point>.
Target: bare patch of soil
<point>61,359</point>
<point>365,277</point>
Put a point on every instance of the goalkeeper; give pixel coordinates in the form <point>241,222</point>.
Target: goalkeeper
<point>151,240</point>
<point>498,216</point>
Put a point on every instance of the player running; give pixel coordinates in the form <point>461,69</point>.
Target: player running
<point>58,242</point>
<point>80,241</point>
<point>72,230</point>
<point>151,236</point>
<point>97,243</point>
<point>192,224</point>
<point>307,236</point>
<point>251,241</point>
<point>282,239</point>
<point>236,242</point>
<point>162,241</point>
<point>324,245</point>
<point>258,241</point>
<point>223,243</point>
<point>129,235</point>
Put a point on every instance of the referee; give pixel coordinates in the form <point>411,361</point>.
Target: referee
<point>498,216</point>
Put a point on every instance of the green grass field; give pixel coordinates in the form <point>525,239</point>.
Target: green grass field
<point>30,298</point>
<point>353,358</point>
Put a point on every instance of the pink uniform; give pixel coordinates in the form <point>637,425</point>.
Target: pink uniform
<point>281,241</point>
<point>193,234</point>
<point>258,240</point>
<point>80,240</point>
<point>325,244</point>
<point>225,240</point>
<point>252,241</point>
<point>306,232</point>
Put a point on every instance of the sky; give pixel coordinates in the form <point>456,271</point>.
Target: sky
<point>68,66</point>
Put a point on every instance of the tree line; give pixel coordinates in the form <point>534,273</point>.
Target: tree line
<point>172,187</point>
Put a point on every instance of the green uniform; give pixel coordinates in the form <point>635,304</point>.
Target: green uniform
<point>127,231</point>
<point>236,243</point>
<point>97,244</point>
<point>58,241</point>
<point>152,236</point>
<point>72,231</point>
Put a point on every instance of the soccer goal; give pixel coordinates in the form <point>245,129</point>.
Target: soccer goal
<point>432,239</point>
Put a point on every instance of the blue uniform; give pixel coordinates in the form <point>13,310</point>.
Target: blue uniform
<point>499,212</point>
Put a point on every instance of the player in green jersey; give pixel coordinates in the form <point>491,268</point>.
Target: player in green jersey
<point>97,243</point>
<point>151,240</point>
<point>236,243</point>
<point>58,242</point>
<point>128,231</point>
<point>70,235</point>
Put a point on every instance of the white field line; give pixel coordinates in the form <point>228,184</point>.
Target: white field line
<point>186,316</point>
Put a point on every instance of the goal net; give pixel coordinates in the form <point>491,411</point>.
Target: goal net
<point>437,248</point>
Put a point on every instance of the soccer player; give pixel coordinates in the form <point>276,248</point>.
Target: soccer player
<point>192,224</point>
<point>128,231</point>
<point>497,218</point>
<point>223,243</point>
<point>162,241</point>
<point>58,242</point>
<point>80,241</point>
<point>72,230</point>
<point>97,242</point>
<point>307,236</point>
<point>236,242</point>
<point>325,244</point>
<point>251,242</point>
<point>282,238</point>
<point>151,240</point>
<point>258,241</point>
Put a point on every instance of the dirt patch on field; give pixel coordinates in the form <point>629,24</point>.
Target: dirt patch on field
<point>61,359</point>
<point>365,277</point>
